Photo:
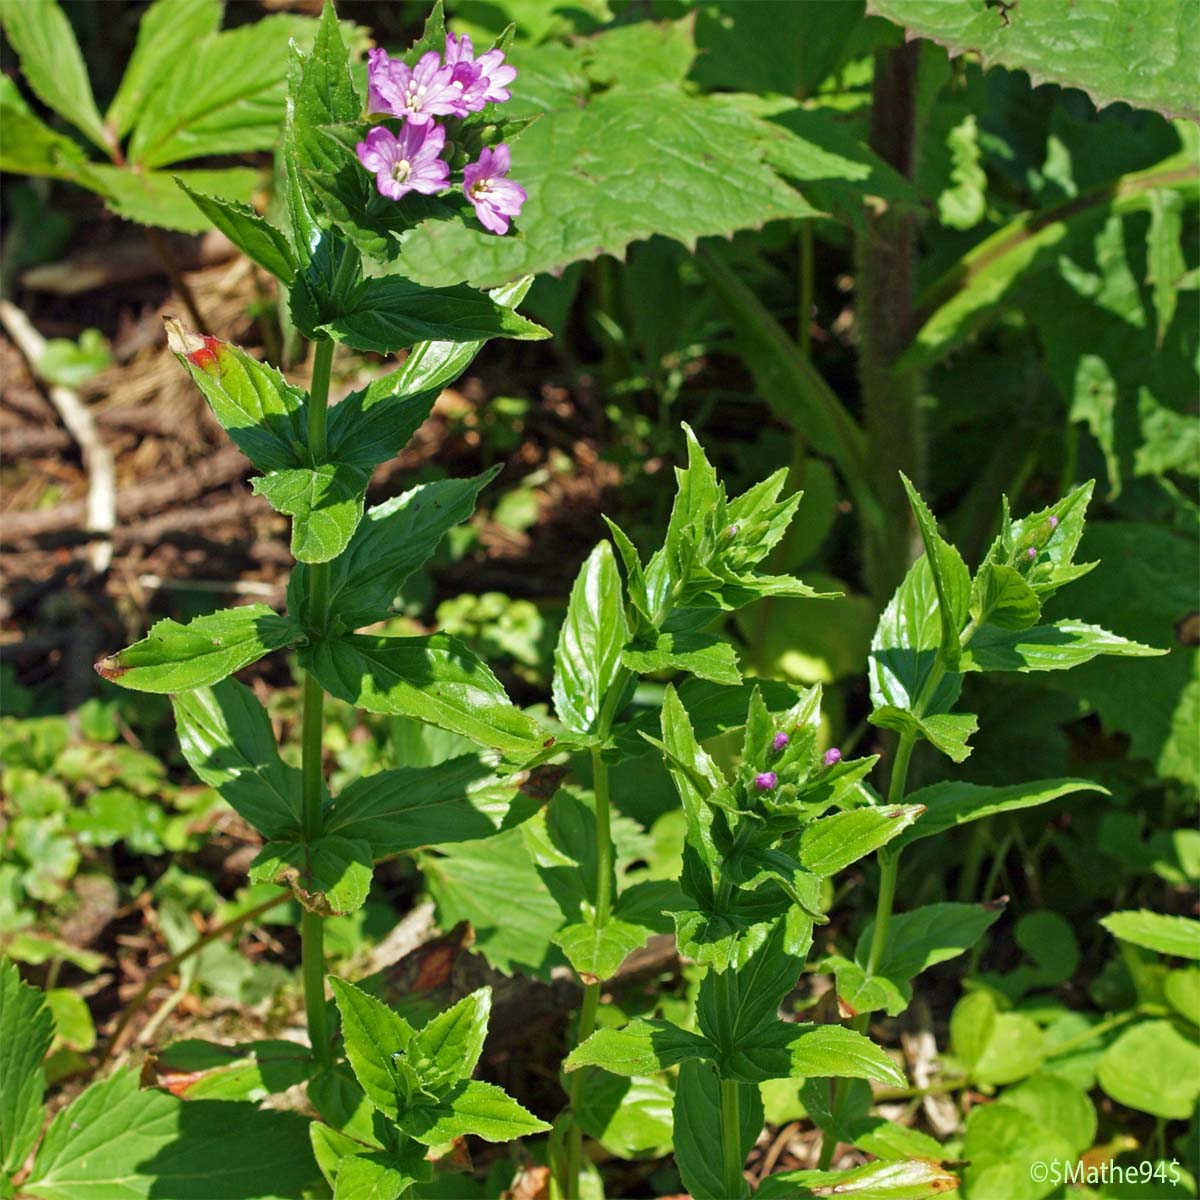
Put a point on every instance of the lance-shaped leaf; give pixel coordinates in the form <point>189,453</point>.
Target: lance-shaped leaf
<point>702,654</point>
<point>587,659</point>
<point>329,875</point>
<point>174,657</point>
<point>698,1134</point>
<point>951,579</point>
<point>388,313</point>
<point>954,803</point>
<point>167,32</point>
<point>916,941</point>
<point>455,801</point>
<point>694,774</point>
<point>227,739</point>
<point>830,844</point>
<point>782,1050</point>
<point>392,541</point>
<point>908,1179</point>
<point>377,1173</point>
<point>1056,647</point>
<point>1002,596</point>
<point>253,235</point>
<point>1177,936</point>
<point>198,1070</point>
<point>257,407</point>
<point>435,679</point>
<point>640,1048</point>
<point>447,1049</point>
<point>30,147</point>
<point>374,1036</point>
<point>374,424</point>
<point>471,1107</point>
<point>947,732</point>
<point>50,60</point>
<point>325,504</point>
<point>724,931</point>
<point>26,1030</point>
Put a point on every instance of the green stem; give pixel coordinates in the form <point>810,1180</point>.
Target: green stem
<point>604,846</point>
<point>731,1138</point>
<point>889,869</point>
<point>312,783</point>
<point>1090,1035</point>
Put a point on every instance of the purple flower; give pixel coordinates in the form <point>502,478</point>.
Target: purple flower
<point>418,94</point>
<point>780,740</point>
<point>494,197</point>
<point>1053,523</point>
<point>482,80</point>
<point>766,781</point>
<point>1032,553</point>
<point>833,757</point>
<point>408,163</point>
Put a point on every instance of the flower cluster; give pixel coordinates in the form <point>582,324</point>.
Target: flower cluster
<point>454,85</point>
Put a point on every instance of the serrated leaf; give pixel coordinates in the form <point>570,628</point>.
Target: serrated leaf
<point>954,803</point>
<point>224,97</point>
<point>379,1174</point>
<point>403,809</point>
<point>698,1133</point>
<point>325,504</point>
<point>174,657</point>
<point>947,732</point>
<point>1178,937</point>
<point>227,739</point>
<point>391,542</point>
<point>1073,47</point>
<point>830,844</point>
<point>26,1030</point>
<point>701,654</point>
<point>166,34</point>
<point>472,1107</point>
<point>597,952</point>
<point>640,1048</point>
<point>916,1179</point>
<point>329,875</point>
<point>40,33</point>
<point>1056,647</point>
<point>388,313</point>
<point>450,1045</point>
<point>435,679</point>
<point>31,148</point>
<point>154,197</point>
<point>784,1049</point>
<point>263,413</point>
<point>197,1070</point>
<point>587,658</point>
<point>694,774</point>
<point>253,235</point>
<point>1001,596</point>
<point>373,1034</point>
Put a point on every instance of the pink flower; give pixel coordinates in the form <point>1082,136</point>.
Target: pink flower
<point>832,757</point>
<point>482,80</point>
<point>780,740</point>
<point>408,163</point>
<point>766,781</point>
<point>418,94</point>
<point>494,197</point>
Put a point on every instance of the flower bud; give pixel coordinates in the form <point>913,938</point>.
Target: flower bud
<point>832,757</point>
<point>1031,553</point>
<point>766,781</point>
<point>1053,523</point>
<point>780,740</point>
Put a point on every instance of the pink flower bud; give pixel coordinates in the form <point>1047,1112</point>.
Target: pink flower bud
<point>766,781</point>
<point>1053,523</point>
<point>780,740</point>
<point>833,757</point>
<point>1032,553</point>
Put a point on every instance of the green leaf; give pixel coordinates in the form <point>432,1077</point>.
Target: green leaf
<point>951,579</point>
<point>783,1049</point>
<point>698,1132</point>
<point>830,844</point>
<point>1056,647</point>
<point>702,654</point>
<point>1003,1143</point>
<point>174,657</point>
<point>51,62</point>
<point>253,235</point>
<point>916,941</point>
<point>1182,990</point>
<point>950,804</point>
<point>388,313</point>
<point>26,1030</point>
<point>392,541</point>
<point>329,875</point>
<point>640,1048</point>
<point>326,504</point>
<point>31,148</point>
<point>915,1179</point>
<point>1154,1069</point>
<point>447,1050</point>
<point>435,679</point>
<point>1165,262</point>
<point>587,659</point>
<point>227,739</point>
<point>73,363</point>
<point>694,774</point>
<point>373,1035</point>
<point>226,96</point>
<point>472,1107</point>
<point>199,1070</point>
<point>597,952</point>
<point>1002,596</point>
<point>403,809</point>
<point>115,1140</point>
<point>1057,1107</point>
<point>630,1118</point>
<point>167,33</point>
<point>994,1047</point>
<point>263,413</point>
<point>1178,937</point>
<point>948,732</point>
<point>376,1176</point>
<point>1073,47</point>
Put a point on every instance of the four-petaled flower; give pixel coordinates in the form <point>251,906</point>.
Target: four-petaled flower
<point>482,80</point>
<point>408,163</point>
<point>417,94</point>
<point>494,197</point>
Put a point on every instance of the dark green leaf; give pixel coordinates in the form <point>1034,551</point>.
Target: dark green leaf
<point>226,736</point>
<point>695,774</point>
<point>702,654</point>
<point>26,1030</point>
<point>325,504</point>
<point>472,1107</point>
<point>786,1050</point>
<point>628,1117</point>
<point>199,1070</point>
<point>373,1036</point>
<point>698,1132</point>
<point>253,235</point>
<point>587,659</point>
<point>948,732</point>
<point>1056,647</point>
<point>1001,596</point>
<point>174,657</point>
<point>329,875</point>
<point>640,1048</point>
